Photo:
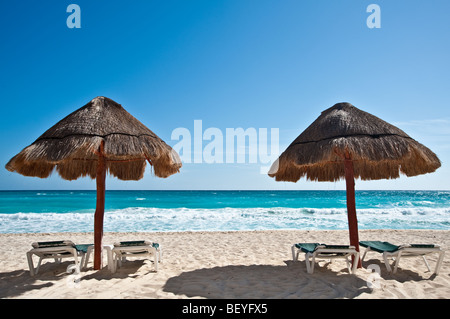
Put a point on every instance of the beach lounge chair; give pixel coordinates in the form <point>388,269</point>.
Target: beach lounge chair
<point>396,252</point>
<point>322,251</point>
<point>127,249</point>
<point>54,250</point>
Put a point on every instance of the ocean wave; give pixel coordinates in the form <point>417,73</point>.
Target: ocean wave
<point>135,219</point>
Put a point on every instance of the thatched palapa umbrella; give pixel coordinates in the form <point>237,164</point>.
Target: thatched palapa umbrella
<point>99,137</point>
<point>346,142</point>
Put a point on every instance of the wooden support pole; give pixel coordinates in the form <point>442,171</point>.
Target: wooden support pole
<point>351,204</point>
<point>100,208</point>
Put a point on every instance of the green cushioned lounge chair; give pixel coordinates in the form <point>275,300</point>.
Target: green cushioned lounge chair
<point>389,250</point>
<point>54,250</point>
<point>322,251</point>
<point>143,248</point>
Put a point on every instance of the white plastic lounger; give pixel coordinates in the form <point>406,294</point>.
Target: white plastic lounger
<point>322,251</point>
<point>54,250</point>
<point>127,249</point>
<point>396,252</point>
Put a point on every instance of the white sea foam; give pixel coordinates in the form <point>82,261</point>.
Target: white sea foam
<point>184,219</point>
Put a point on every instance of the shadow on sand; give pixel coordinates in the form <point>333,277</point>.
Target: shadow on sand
<point>15,283</point>
<point>266,282</point>
<point>288,281</point>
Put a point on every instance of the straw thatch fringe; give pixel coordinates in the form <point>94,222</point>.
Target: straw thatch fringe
<point>378,149</point>
<point>72,146</point>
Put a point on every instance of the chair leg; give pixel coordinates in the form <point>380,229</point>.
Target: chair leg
<point>115,263</point>
<point>38,265</point>
<point>313,263</point>
<point>293,253</point>
<point>88,255</point>
<point>348,264</point>
<point>156,259</point>
<point>308,265</point>
<point>110,259</point>
<point>75,256</point>
<point>397,261</point>
<point>386,262</point>
<point>439,262</point>
<point>83,257</point>
<point>426,263</point>
<point>30,263</point>
<point>365,252</point>
<point>355,263</point>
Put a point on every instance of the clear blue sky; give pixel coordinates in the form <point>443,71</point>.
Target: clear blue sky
<point>230,63</point>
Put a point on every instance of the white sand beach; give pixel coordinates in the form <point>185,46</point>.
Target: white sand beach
<point>232,265</point>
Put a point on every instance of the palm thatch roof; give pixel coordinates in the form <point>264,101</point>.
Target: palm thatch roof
<point>72,145</point>
<point>378,149</point>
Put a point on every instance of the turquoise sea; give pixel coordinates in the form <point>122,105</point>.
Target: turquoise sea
<point>135,211</point>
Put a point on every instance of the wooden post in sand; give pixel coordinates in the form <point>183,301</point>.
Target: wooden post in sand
<point>100,208</point>
<point>351,204</point>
